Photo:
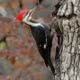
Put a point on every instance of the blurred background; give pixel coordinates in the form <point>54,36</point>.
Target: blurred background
<point>19,57</point>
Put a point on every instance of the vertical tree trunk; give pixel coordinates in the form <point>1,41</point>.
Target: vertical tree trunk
<point>68,20</point>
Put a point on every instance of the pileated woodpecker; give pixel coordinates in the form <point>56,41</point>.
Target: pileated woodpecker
<point>41,34</point>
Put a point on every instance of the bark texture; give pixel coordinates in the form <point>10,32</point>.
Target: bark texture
<point>68,21</point>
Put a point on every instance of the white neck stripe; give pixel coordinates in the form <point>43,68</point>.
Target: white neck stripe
<point>27,21</point>
<point>34,24</point>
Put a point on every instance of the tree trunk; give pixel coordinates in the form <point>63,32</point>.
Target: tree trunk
<point>68,20</point>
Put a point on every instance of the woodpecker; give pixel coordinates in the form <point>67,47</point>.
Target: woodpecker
<point>41,34</point>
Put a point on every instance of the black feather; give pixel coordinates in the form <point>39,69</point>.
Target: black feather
<point>40,35</point>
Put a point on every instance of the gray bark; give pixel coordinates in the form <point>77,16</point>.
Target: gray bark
<point>68,20</point>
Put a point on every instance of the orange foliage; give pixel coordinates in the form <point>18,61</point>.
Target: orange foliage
<point>30,40</point>
<point>38,76</point>
<point>42,63</point>
<point>1,77</point>
<point>41,9</point>
<point>18,65</point>
<point>12,59</point>
<point>20,44</point>
<point>8,54</point>
<point>34,1</point>
<point>18,75</point>
<point>6,28</point>
<point>24,51</point>
<point>29,71</point>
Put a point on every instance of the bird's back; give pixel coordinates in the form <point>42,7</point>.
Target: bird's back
<point>39,34</point>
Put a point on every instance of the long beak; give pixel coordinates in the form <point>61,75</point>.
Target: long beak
<point>32,11</point>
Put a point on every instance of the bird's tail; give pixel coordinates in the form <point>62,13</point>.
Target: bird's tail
<point>51,66</point>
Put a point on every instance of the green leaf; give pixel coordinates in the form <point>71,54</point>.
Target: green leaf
<point>2,45</point>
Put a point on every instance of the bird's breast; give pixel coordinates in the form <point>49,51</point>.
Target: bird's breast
<point>39,34</point>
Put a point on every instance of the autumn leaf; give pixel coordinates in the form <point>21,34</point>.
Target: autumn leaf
<point>41,9</point>
<point>34,1</point>
<point>18,65</point>
<point>38,76</point>
<point>6,29</point>
<point>42,63</point>
<point>12,59</point>
<point>30,40</point>
<point>24,51</point>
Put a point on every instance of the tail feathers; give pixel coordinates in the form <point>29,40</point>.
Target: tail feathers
<point>51,66</point>
<point>49,63</point>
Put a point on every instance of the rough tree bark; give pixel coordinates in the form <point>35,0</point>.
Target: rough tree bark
<point>68,21</point>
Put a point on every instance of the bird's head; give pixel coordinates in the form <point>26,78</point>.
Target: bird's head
<point>25,13</point>
<point>21,15</point>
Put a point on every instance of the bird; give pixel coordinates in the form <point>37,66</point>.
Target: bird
<point>41,35</point>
